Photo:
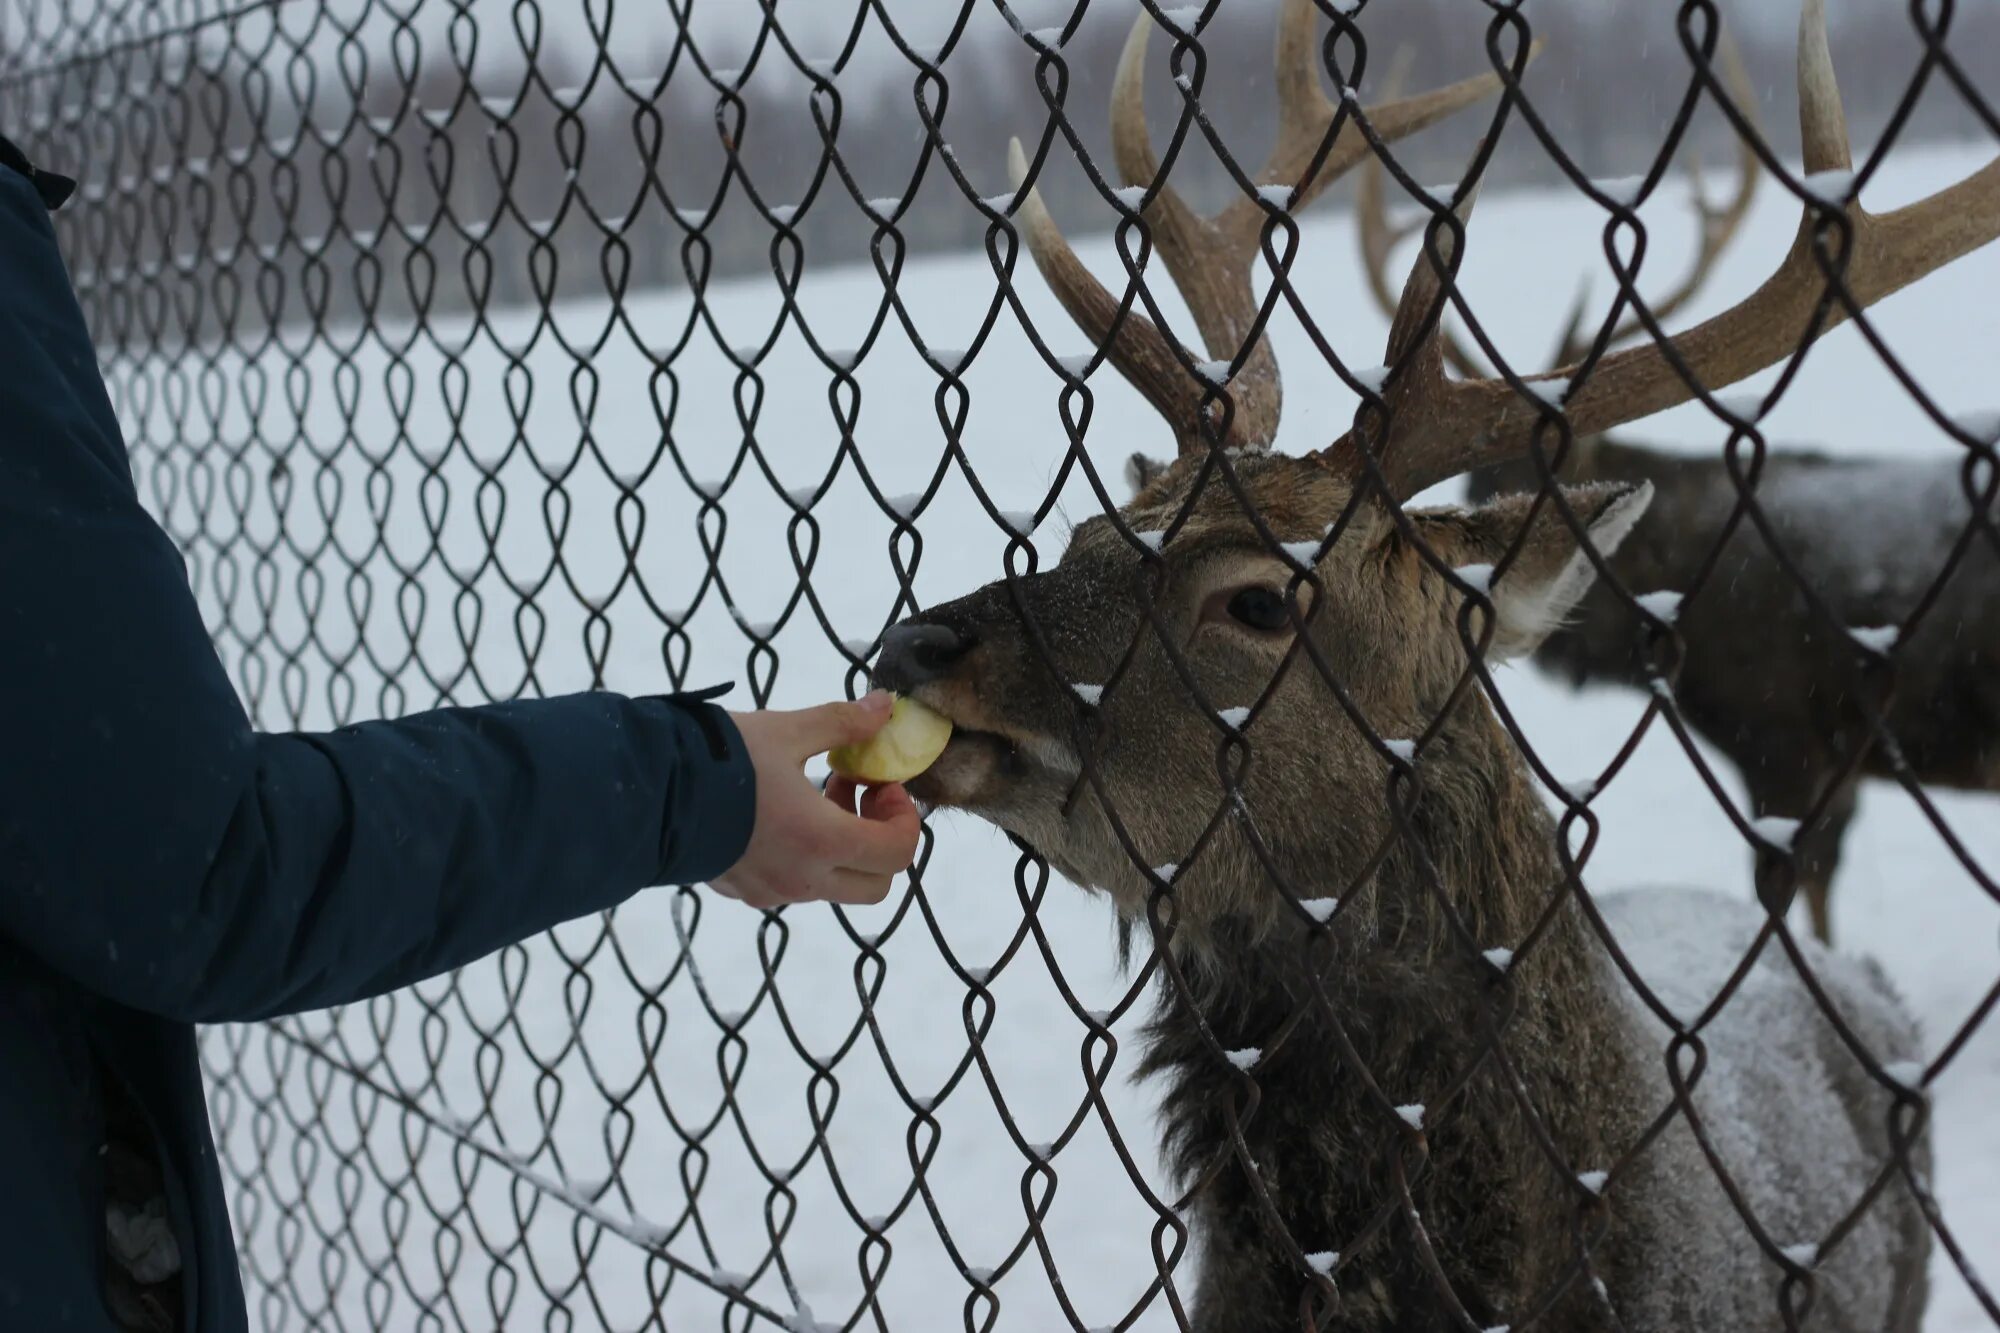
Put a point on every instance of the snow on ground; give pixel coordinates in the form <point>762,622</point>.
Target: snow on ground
<point>653,1074</point>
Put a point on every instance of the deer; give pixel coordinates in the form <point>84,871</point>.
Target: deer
<point>1413,1074</point>
<point>1772,678</point>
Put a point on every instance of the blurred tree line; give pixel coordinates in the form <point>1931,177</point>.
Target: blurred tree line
<point>375,167</point>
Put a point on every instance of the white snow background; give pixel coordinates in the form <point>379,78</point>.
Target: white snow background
<point>587,1006</point>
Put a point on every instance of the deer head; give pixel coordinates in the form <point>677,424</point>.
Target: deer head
<point>1293,603</point>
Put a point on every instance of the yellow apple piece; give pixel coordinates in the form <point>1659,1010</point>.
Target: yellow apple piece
<point>909,742</point>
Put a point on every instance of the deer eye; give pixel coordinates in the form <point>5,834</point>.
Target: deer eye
<point>1259,608</point>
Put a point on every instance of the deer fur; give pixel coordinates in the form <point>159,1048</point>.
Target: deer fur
<point>1796,1118</point>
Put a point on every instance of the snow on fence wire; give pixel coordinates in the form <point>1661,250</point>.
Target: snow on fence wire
<point>472,352</point>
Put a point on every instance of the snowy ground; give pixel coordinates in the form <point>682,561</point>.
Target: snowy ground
<point>668,1020</point>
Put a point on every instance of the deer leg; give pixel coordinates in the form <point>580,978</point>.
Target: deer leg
<point>1815,855</point>
<point>1819,857</point>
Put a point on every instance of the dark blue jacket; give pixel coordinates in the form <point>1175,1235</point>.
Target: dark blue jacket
<point>162,864</point>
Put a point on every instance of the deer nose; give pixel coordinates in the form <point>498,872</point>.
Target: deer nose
<point>913,653</point>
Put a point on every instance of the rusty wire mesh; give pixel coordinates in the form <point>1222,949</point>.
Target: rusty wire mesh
<point>441,387</point>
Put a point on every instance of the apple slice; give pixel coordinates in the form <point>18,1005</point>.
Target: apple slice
<point>909,742</point>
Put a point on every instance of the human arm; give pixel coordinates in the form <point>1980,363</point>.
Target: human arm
<point>159,851</point>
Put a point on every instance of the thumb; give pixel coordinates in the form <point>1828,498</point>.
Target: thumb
<point>817,730</point>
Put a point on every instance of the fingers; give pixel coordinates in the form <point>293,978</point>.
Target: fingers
<point>888,803</point>
<point>817,730</point>
<point>854,888</point>
<point>841,791</point>
<point>883,803</point>
<point>882,841</point>
<point>839,843</point>
<point>887,847</point>
<point>749,893</point>
<point>850,888</point>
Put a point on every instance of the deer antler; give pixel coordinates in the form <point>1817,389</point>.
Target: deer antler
<point>1210,259</point>
<point>1380,237</point>
<point>1442,427</point>
<point>1720,223</point>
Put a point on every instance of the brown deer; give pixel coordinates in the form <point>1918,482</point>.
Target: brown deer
<point>1778,684</point>
<point>1416,1077</point>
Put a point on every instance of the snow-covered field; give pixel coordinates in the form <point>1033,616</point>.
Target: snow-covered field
<point>670,1068</point>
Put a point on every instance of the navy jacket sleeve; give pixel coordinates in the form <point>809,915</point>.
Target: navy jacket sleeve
<point>157,850</point>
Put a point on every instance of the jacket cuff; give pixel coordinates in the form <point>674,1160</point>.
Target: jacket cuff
<point>711,806</point>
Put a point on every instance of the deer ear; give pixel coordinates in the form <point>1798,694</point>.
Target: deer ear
<point>1551,573</point>
<point>1140,471</point>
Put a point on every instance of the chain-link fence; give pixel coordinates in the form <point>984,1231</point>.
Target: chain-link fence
<point>476,351</point>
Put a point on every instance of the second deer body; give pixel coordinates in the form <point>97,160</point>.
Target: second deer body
<point>1781,687</point>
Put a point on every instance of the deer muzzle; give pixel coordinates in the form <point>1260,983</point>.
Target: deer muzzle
<point>947,667</point>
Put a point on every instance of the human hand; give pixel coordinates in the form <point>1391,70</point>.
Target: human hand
<point>805,846</point>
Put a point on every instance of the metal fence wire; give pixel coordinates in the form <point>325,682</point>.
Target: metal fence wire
<point>472,352</point>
